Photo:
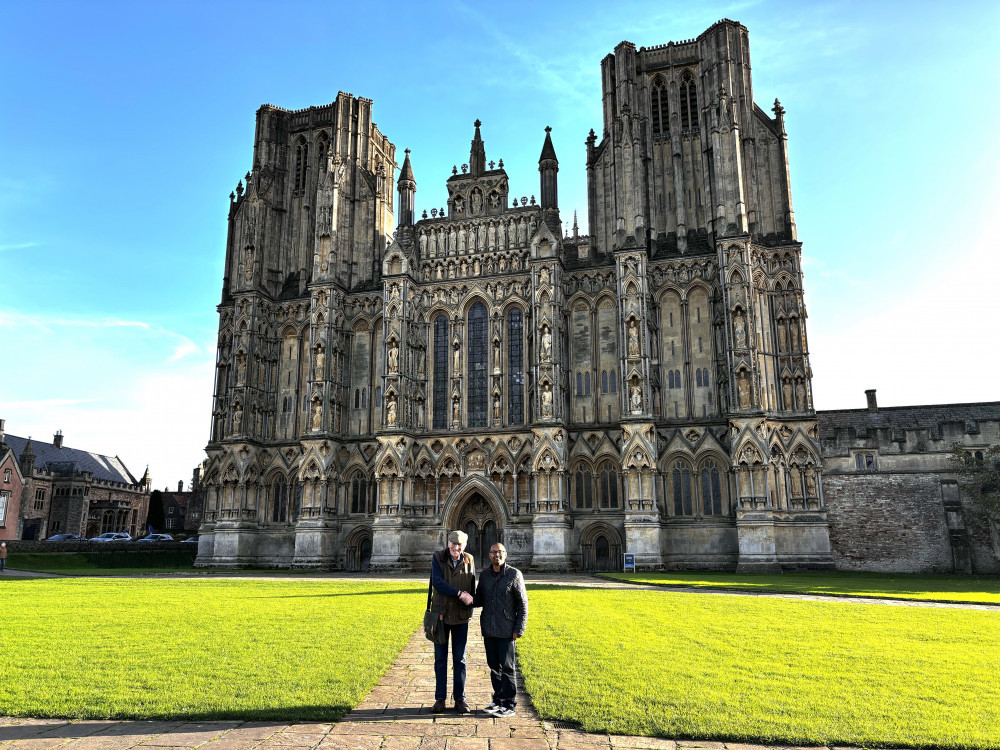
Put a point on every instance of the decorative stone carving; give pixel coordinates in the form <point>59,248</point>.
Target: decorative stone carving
<point>237,417</point>
<point>743,389</point>
<point>390,411</point>
<point>393,358</point>
<point>786,394</point>
<point>739,329</point>
<point>636,398</point>
<point>547,400</point>
<point>546,347</point>
<point>633,339</point>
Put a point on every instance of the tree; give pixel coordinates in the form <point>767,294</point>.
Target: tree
<point>155,517</point>
<point>980,472</point>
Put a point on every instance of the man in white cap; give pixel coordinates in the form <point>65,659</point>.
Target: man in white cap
<point>453,576</point>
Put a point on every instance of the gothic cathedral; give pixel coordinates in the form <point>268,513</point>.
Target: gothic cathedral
<point>643,390</point>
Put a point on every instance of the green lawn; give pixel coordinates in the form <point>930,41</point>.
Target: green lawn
<point>198,649</point>
<point>764,670</point>
<point>102,563</point>
<point>952,588</point>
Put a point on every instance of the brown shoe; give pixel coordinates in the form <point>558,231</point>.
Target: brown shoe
<point>462,707</point>
<point>438,707</point>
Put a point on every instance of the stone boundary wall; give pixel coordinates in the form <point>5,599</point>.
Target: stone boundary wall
<point>36,545</point>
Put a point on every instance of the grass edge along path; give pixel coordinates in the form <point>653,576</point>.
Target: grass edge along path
<point>775,671</point>
<point>199,649</point>
<point>904,586</point>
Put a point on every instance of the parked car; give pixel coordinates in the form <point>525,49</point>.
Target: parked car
<point>112,536</point>
<point>156,538</point>
<point>191,540</point>
<point>66,538</point>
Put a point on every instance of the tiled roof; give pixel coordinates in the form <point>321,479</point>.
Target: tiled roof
<point>906,417</point>
<point>49,457</point>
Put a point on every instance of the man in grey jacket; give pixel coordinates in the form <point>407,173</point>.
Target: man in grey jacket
<point>504,601</point>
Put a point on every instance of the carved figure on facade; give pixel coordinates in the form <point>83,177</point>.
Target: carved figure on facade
<point>633,339</point>
<point>476,201</point>
<point>237,417</point>
<point>241,367</point>
<point>794,329</point>
<point>547,400</point>
<point>317,414</point>
<point>743,389</point>
<point>248,261</point>
<point>459,204</point>
<point>782,337</point>
<point>786,394</point>
<point>543,276</point>
<point>546,346</point>
<point>800,393</point>
<point>636,397</point>
<point>390,410</point>
<point>456,357</point>
<point>319,361</point>
<point>496,409</point>
<point>739,328</point>
<point>393,357</point>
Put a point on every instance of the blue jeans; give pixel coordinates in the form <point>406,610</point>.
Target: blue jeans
<point>459,635</point>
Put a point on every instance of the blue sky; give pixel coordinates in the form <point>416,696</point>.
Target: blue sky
<point>126,125</point>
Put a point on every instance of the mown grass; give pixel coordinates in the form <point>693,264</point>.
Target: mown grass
<point>764,670</point>
<point>198,649</point>
<point>103,563</point>
<point>950,588</point>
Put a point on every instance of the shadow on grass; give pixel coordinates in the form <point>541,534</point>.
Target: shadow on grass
<point>344,593</point>
<point>285,714</point>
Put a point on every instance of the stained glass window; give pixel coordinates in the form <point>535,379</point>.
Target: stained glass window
<point>711,489</point>
<point>441,372</point>
<point>682,490</point>
<point>478,387</point>
<point>515,366</point>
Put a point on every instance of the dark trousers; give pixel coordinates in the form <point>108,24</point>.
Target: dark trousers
<point>500,654</point>
<point>459,635</point>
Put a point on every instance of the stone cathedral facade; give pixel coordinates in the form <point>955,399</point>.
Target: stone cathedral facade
<point>645,389</point>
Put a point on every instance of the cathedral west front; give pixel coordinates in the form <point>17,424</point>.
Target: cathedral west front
<point>386,373</point>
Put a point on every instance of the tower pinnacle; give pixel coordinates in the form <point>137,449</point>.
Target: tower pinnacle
<point>477,156</point>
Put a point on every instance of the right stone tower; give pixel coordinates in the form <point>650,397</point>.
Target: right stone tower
<point>689,196</point>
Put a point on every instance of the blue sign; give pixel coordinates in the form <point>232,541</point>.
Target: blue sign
<point>629,562</point>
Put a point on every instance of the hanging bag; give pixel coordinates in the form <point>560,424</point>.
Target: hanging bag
<point>433,624</point>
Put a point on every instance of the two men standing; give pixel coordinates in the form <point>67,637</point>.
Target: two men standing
<point>502,596</point>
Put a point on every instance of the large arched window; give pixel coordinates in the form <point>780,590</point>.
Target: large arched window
<point>689,102</point>
<point>584,488</point>
<point>515,366</point>
<point>478,386</point>
<point>301,160</point>
<point>683,503</point>
<point>279,501</point>
<point>609,485</point>
<point>360,495</point>
<point>658,107</point>
<point>441,372</point>
<point>711,489</point>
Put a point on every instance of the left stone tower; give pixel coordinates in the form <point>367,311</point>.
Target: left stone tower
<point>308,228</point>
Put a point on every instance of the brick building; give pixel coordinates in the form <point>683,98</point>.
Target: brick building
<point>72,491</point>
<point>11,487</point>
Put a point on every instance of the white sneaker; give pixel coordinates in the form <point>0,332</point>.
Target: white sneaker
<point>492,708</point>
<point>505,712</point>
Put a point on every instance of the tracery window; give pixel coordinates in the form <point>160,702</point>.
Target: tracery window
<point>584,489</point>
<point>711,489</point>
<point>586,384</point>
<point>279,501</point>
<point>441,372</point>
<point>683,505</point>
<point>301,160</point>
<point>658,101</point>
<point>614,383</point>
<point>689,102</point>
<point>515,366</point>
<point>360,495</point>
<point>604,382</point>
<point>477,365</point>
<point>609,485</point>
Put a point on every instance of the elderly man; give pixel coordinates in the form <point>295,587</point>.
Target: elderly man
<point>453,576</point>
<point>504,601</point>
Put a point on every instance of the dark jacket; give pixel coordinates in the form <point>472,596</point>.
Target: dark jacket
<point>504,602</point>
<point>449,582</point>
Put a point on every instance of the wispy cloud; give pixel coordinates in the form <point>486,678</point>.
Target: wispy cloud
<point>17,246</point>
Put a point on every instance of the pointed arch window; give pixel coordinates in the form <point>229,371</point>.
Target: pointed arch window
<point>604,382</point>
<point>584,488</point>
<point>683,505</point>
<point>515,366</point>
<point>360,495</point>
<point>441,372</point>
<point>609,485</point>
<point>711,489</point>
<point>658,107</point>
<point>688,102</point>
<point>301,161</point>
<point>279,501</point>
<point>477,365</point>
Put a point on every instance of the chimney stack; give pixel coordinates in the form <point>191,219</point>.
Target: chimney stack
<point>180,485</point>
<point>3,423</point>
<point>57,439</point>
<point>872,403</point>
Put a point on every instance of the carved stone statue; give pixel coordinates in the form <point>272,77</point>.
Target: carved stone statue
<point>476,202</point>
<point>241,367</point>
<point>390,411</point>
<point>456,358</point>
<point>459,204</point>
<point>743,389</point>
<point>739,328</point>
<point>800,393</point>
<point>810,483</point>
<point>782,337</point>
<point>786,394</point>
<point>393,357</point>
<point>796,341</point>
<point>454,410</point>
<point>423,245</point>
<point>496,356</point>
<point>317,415</point>
<point>496,408</point>
<point>633,339</point>
<point>319,362</point>
<point>636,398</point>
<point>237,417</point>
<point>546,343</point>
<point>248,264</point>
<point>547,400</point>
<point>543,276</point>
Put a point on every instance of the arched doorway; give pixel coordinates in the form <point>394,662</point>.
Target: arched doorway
<point>602,548</point>
<point>359,550</point>
<point>479,521</point>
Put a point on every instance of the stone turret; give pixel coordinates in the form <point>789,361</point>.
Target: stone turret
<point>407,186</point>
<point>548,168</point>
<point>27,459</point>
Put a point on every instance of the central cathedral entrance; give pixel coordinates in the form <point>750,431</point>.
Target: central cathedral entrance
<point>479,521</point>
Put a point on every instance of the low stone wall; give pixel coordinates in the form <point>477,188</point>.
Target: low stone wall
<point>19,545</point>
